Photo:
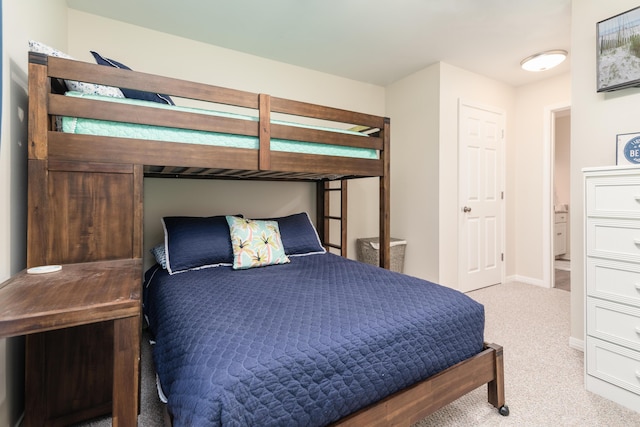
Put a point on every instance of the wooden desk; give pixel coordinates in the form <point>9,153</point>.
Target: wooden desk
<point>80,294</point>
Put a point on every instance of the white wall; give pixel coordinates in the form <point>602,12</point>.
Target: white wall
<point>160,53</point>
<point>531,102</point>
<point>20,24</point>
<point>413,105</point>
<point>596,119</point>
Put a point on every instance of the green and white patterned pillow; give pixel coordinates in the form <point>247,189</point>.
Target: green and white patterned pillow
<point>256,243</point>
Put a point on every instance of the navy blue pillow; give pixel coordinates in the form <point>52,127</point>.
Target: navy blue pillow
<point>132,93</point>
<point>299,236</point>
<point>196,242</point>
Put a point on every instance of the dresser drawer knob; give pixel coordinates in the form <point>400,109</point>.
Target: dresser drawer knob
<point>636,241</point>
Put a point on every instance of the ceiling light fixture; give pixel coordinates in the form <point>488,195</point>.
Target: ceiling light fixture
<point>544,60</point>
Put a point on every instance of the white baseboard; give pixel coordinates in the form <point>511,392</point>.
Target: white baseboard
<point>576,344</point>
<point>527,280</point>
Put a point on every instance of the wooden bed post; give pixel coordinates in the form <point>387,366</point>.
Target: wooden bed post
<point>343,217</point>
<point>264,158</point>
<point>39,88</point>
<point>320,217</point>
<point>495,388</point>
<point>385,198</point>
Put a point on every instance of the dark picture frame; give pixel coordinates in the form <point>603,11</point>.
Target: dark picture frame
<point>618,51</point>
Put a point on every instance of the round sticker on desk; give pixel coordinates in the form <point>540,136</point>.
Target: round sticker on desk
<point>632,150</point>
<point>44,269</point>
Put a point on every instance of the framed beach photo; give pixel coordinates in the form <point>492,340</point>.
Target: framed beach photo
<point>618,51</point>
<point>628,149</point>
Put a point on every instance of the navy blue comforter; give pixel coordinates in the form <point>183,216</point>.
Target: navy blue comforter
<point>304,343</point>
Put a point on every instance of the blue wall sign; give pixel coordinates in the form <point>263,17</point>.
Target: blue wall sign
<point>632,150</point>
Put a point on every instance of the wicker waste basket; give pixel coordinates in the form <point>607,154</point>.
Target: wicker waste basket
<point>369,252</point>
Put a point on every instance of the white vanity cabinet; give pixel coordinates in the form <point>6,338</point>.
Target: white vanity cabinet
<point>560,233</point>
<point>612,276</point>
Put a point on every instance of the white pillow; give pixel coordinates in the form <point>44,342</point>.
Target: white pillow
<point>83,87</point>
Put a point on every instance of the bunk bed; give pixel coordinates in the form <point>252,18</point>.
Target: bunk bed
<point>86,196</point>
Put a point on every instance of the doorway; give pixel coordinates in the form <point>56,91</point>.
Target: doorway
<point>557,258</point>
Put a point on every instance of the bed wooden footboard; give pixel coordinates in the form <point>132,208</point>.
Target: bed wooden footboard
<point>410,405</point>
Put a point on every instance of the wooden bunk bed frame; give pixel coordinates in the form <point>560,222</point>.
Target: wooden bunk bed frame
<point>85,204</point>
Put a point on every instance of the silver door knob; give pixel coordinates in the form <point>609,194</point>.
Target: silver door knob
<point>466,209</point>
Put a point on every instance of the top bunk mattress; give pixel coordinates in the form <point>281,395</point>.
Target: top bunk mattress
<point>85,126</point>
<point>304,343</point>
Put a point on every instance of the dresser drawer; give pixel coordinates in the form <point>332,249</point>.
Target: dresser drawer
<point>560,217</point>
<point>613,195</point>
<point>616,323</point>
<point>613,280</point>
<point>614,364</point>
<point>616,239</point>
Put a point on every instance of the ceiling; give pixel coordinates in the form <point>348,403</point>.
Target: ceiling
<point>372,41</point>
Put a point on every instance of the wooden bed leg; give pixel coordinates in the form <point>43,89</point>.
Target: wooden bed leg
<point>495,388</point>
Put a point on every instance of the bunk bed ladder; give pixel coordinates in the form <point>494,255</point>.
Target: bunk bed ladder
<point>326,216</point>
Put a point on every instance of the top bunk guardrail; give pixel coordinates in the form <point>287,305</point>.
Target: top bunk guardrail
<point>262,147</point>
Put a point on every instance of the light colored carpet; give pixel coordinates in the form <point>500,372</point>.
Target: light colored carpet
<point>543,376</point>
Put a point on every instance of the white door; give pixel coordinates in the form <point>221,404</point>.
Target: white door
<point>481,136</point>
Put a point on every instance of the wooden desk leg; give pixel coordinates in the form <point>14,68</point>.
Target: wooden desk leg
<point>126,369</point>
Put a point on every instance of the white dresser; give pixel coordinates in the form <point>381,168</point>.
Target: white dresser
<point>612,276</point>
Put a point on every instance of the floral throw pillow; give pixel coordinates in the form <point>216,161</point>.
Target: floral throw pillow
<point>256,243</point>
